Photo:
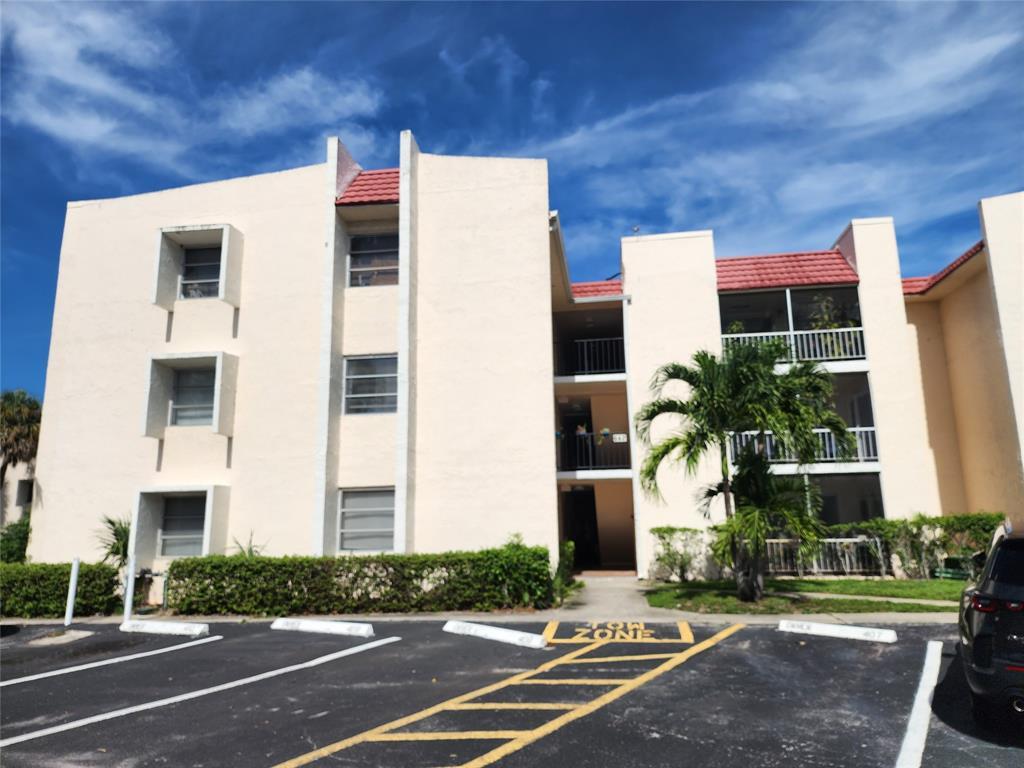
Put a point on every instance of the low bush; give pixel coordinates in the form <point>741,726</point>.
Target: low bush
<point>513,576</point>
<point>14,540</point>
<point>923,543</point>
<point>677,550</point>
<point>40,590</point>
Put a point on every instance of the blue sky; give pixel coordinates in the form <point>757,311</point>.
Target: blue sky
<point>773,124</point>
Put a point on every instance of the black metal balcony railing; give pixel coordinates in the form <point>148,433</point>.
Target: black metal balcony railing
<point>598,356</point>
<point>590,451</point>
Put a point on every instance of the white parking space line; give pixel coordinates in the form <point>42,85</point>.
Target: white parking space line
<point>196,694</point>
<point>105,662</point>
<point>920,715</point>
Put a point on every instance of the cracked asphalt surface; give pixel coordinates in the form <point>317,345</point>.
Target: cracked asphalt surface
<point>756,697</point>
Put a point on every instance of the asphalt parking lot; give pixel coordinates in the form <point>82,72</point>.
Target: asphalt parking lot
<point>703,696</point>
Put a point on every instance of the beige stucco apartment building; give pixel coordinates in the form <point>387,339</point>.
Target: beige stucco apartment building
<point>330,360</point>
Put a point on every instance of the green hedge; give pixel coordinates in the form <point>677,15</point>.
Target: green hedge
<point>14,540</point>
<point>924,543</point>
<point>513,576</point>
<point>32,590</point>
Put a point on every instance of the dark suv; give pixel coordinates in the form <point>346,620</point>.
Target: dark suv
<point>992,629</point>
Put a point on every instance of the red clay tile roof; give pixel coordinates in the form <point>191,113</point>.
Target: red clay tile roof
<point>780,270</point>
<point>913,286</point>
<point>372,187</point>
<point>597,288</point>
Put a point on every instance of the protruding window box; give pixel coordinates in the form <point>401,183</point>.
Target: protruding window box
<point>195,389</point>
<point>178,521</point>
<point>198,262</point>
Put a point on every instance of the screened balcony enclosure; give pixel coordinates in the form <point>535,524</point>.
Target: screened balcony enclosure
<point>813,323</point>
<point>589,341</point>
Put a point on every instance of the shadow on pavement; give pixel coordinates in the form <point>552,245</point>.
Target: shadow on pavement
<point>951,703</point>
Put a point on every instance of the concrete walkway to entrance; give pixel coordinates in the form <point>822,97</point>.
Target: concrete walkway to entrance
<point>609,598</point>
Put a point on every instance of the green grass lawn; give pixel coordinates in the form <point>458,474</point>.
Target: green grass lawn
<point>720,597</point>
<point>927,589</point>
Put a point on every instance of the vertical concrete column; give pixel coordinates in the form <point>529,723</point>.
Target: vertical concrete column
<point>672,313</point>
<point>908,480</point>
<point>405,442</point>
<point>1002,225</point>
<point>340,170</point>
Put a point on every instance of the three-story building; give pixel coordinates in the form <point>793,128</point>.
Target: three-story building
<point>331,360</point>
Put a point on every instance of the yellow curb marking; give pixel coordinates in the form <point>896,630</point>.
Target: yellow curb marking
<point>518,739</point>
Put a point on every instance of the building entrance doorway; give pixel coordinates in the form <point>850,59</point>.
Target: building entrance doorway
<point>579,525</point>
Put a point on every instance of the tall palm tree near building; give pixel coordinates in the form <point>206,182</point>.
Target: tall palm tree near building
<point>19,429</point>
<point>742,391</point>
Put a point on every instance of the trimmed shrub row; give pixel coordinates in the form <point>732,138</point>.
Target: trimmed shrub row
<point>40,590</point>
<point>923,543</point>
<point>514,576</point>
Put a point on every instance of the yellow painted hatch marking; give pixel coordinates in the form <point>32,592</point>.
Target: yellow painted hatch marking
<point>447,735</point>
<point>486,705</point>
<point>577,681</point>
<point>516,740</point>
<point>634,657</point>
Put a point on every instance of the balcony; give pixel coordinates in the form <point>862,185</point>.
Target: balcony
<point>591,356</point>
<point>584,451</point>
<point>820,345</point>
<point>816,324</point>
<point>866,446</point>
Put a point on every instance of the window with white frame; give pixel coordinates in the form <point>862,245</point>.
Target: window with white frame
<point>200,273</point>
<point>367,520</point>
<point>371,384</point>
<point>181,530</point>
<point>192,400</point>
<point>373,260</point>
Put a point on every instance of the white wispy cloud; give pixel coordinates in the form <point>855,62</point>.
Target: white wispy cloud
<point>493,55</point>
<point>840,125</point>
<point>103,81</point>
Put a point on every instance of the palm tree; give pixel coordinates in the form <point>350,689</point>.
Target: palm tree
<point>766,503</point>
<point>19,429</point>
<point>743,391</point>
<point>739,392</point>
<point>114,537</point>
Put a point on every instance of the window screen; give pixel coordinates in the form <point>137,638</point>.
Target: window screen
<point>373,260</point>
<point>193,396</point>
<point>200,277</point>
<point>181,532</point>
<point>367,520</point>
<point>371,384</point>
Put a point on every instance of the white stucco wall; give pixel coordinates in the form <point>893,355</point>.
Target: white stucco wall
<point>672,313</point>
<point>481,381</point>
<point>93,458</point>
<point>908,476</point>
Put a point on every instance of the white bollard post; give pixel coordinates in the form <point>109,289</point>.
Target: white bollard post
<point>129,588</point>
<point>69,611</point>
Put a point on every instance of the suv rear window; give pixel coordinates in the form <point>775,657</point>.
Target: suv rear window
<point>1008,563</point>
